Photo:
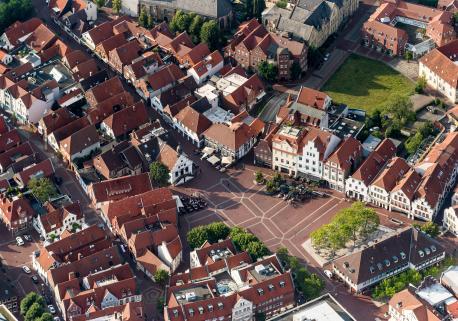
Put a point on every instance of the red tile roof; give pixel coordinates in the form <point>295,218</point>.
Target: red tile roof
<point>42,169</point>
<point>119,188</point>
<point>54,220</point>
<point>311,97</point>
<point>165,76</point>
<point>442,62</point>
<point>193,120</point>
<point>395,169</point>
<point>347,153</point>
<point>80,140</point>
<point>14,210</point>
<point>15,154</point>
<point>54,120</point>
<point>127,119</point>
<point>9,140</point>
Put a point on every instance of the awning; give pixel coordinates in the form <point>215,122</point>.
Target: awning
<point>208,150</point>
<point>227,160</point>
<point>213,160</point>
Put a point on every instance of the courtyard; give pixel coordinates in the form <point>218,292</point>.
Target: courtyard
<point>367,84</point>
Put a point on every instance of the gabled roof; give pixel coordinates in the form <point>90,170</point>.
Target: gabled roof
<point>20,29</point>
<point>193,120</point>
<point>127,119</point>
<point>442,61</point>
<point>395,169</point>
<point>165,76</point>
<point>105,90</point>
<point>15,154</point>
<point>9,140</point>
<point>16,209</point>
<point>347,153</point>
<point>406,300</point>
<point>42,169</point>
<point>54,220</point>
<point>80,140</point>
<point>119,188</point>
<point>54,120</point>
<point>312,97</point>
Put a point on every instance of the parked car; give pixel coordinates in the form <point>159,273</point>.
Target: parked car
<point>51,309</point>
<point>19,241</point>
<point>26,269</point>
<point>328,273</point>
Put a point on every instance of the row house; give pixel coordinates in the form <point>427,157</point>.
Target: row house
<point>123,159</point>
<point>146,223</point>
<point>158,82</point>
<point>397,252</point>
<point>342,163</point>
<point>406,305</point>
<point>403,193</point>
<point>236,139</point>
<point>450,220</point>
<point>207,67</point>
<point>74,16</point>
<point>310,22</point>
<point>104,48</point>
<point>145,65</point>
<point>59,134</point>
<point>9,140</point>
<point>93,37</point>
<point>302,113</point>
<point>440,70</point>
<point>54,120</point>
<point>132,311</point>
<point>36,170</point>
<point>118,188</point>
<point>301,151</point>
<point>16,213</point>
<point>357,186</point>
<point>438,170</point>
<point>15,155</point>
<point>80,144</point>
<point>263,149</point>
<point>104,91</point>
<point>87,265</point>
<point>189,57</point>
<point>32,33</point>
<point>51,225</point>
<point>381,187</point>
<point>152,146</point>
<point>181,91</point>
<point>259,287</point>
<point>253,44</point>
<point>108,107</point>
<point>122,122</point>
<point>124,55</point>
<point>192,124</point>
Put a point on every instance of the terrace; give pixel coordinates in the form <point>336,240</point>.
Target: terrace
<point>263,272</point>
<point>193,294</point>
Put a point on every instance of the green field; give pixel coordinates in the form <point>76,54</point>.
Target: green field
<point>366,84</point>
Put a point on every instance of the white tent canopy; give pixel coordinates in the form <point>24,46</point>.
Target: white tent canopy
<point>208,150</point>
<point>227,160</point>
<point>213,160</point>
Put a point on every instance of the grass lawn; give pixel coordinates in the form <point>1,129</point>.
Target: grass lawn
<point>366,84</point>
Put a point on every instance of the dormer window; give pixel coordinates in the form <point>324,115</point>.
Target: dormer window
<point>403,255</point>
<point>175,313</point>
<point>191,312</point>
<point>201,310</point>
<point>282,284</point>
<point>427,251</point>
<point>433,248</point>
<point>395,259</point>
<point>260,291</point>
<point>220,305</point>
<point>380,266</point>
<point>421,253</point>
<point>372,269</point>
<point>210,308</point>
<point>387,262</point>
<point>271,287</point>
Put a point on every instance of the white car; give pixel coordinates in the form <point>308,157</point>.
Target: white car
<point>19,241</point>
<point>51,309</point>
<point>26,269</point>
<point>328,273</point>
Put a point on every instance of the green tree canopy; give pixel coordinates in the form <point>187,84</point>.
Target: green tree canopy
<point>30,299</point>
<point>180,21</point>
<point>161,276</point>
<point>267,71</point>
<point>400,110</point>
<point>14,10</point>
<point>35,311</point>
<point>45,317</point>
<point>217,231</point>
<point>150,20</point>
<point>196,26</point>
<point>42,188</point>
<point>197,236</point>
<point>430,228</point>
<point>210,34</point>
<point>282,4</point>
<point>143,17</point>
<point>257,249</point>
<point>116,5</point>
<point>160,174</point>
<point>100,3</point>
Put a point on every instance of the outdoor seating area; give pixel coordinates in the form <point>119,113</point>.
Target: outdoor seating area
<point>219,162</point>
<point>191,204</point>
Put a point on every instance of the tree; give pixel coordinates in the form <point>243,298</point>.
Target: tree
<point>430,228</point>
<point>420,85</point>
<point>217,231</point>
<point>210,34</point>
<point>408,55</point>
<point>413,142</point>
<point>455,17</point>
<point>100,3</point>
<point>195,26</point>
<point>256,249</point>
<point>35,311</point>
<point>161,276</point>
<point>400,110</point>
<point>259,177</point>
<point>160,304</point>
<point>45,317</point>
<point>14,10</point>
<point>258,8</point>
<point>197,236</point>
<point>160,174</point>
<point>180,21</point>
<point>283,254</point>
<point>42,188</point>
<point>267,71</point>
<point>150,20</point>
<point>260,316</point>
<point>116,5</point>
<point>143,17</point>
<point>312,286</point>
<point>296,70</point>
<point>28,300</point>
<point>282,4</point>
<point>426,129</point>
